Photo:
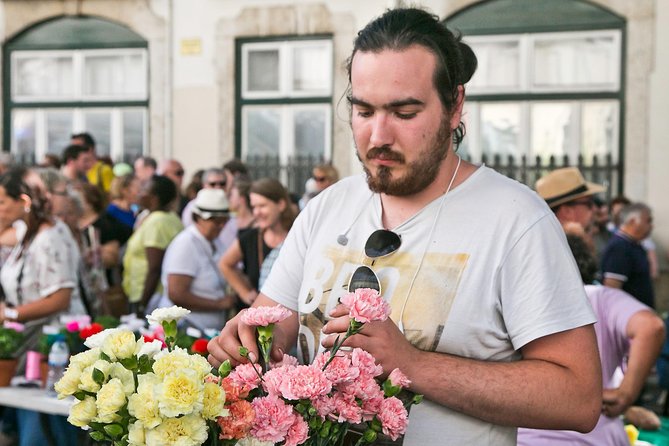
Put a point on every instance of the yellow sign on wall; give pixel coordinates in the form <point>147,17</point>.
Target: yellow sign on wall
<point>191,47</point>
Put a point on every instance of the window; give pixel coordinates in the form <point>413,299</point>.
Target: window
<point>549,81</point>
<point>285,98</point>
<point>528,68</point>
<point>60,85</point>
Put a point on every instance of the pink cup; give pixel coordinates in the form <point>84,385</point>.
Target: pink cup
<point>33,360</point>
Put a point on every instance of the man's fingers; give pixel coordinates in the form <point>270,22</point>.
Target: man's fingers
<point>339,310</point>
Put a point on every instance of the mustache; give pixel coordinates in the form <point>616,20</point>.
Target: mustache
<point>386,153</point>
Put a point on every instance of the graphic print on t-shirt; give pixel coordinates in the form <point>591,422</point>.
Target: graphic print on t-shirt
<point>428,300</point>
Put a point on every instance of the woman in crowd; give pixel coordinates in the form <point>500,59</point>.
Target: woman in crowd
<point>123,196</point>
<point>146,247</point>
<point>240,203</point>
<point>190,276</point>
<point>273,218</point>
<point>40,276</point>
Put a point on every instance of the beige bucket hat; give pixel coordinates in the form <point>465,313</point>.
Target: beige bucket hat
<point>564,185</point>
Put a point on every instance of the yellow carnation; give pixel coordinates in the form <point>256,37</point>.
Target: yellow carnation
<point>183,431</point>
<point>180,393</point>
<point>69,383</point>
<point>111,399</point>
<point>214,401</point>
<point>87,383</point>
<point>86,358</point>
<point>200,364</point>
<point>125,376</point>
<point>136,435</point>
<point>82,412</point>
<point>167,362</point>
<point>120,344</point>
<point>143,405</point>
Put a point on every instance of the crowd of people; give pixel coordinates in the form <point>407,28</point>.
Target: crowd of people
<point>494,318</point>
<point>78,232</point>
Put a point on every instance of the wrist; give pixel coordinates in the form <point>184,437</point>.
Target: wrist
<point>10,314</point>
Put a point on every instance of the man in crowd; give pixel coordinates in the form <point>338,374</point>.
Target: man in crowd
<point>76,162</point>
<point>489,317</point>
<point>173,170</point>
<point>145,168</point>
<point>624,260</point>
<point>101,173</point>
<point>571,198</point>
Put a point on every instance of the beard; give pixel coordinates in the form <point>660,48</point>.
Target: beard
<point>419,173</point>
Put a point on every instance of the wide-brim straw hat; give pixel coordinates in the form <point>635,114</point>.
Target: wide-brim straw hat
<point>564,185</point>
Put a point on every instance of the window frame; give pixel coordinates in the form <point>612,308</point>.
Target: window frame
<point>285,98</point>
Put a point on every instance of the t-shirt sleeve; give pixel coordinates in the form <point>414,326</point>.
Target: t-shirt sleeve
<point>179,257</point>
<point>618,307</point>
<point>55,263</point>
<point>615,263</point>
<point>540,286</point>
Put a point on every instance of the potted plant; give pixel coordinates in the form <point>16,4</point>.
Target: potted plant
<point>11,336</point>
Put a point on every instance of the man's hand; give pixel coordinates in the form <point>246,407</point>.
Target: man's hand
<point>615,402</point>
<point>383,340</point>
<point>236,334</point>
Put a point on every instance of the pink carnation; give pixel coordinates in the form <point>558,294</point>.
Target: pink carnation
<point>273,419</point>
<point>263,316</point>
<point>324,405</point>
<point>393,417</point>
<point>233,391</point>
<point>339,370</point>
<point>399,379</point>
<point>346,409</point>
<point>303,382</point>
<point>364,388</point>
<point>16,326</point>
<point>287,360</point>
<point>243,375</point>
<point>371,407</point>
<point>366,305</point>
<point>273,379</point>
<point>72,326</point>
<point>298,432</point>
<point>365,362</point>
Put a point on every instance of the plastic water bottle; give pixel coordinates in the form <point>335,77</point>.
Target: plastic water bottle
<point>59,356</point>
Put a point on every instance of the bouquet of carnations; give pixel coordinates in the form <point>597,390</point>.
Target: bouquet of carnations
<point>131,392</point>
<point>290,404</point>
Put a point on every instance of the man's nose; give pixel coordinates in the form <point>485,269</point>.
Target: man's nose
<point>382,133</point>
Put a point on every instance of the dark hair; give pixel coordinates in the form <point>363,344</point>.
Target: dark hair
<point>51,160</point>
<point>585,261</point>
<point>272,189</point>
<point>243,185</point>
<point>148,161</point>
<point>72,152</point>
<point>87,139</point>
<point>398,29</point>
<point>94,197</point>
<point>15,186</point>
<point>235,166</point>
<point>163,188</point>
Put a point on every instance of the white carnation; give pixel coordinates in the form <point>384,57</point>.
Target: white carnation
<point>173,313</point>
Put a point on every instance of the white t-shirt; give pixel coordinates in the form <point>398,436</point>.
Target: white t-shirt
<point>192,255</point>
<point>494,274</point>
<point>227,236</point>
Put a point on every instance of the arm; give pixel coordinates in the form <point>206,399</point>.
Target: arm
<point>646,332</point>
<point>155,259</point>
<point>178,286</point>
<point>236,334</point>
<point>109,252</point>
<point>613,283</point>
<point>235,278</point>
<point>53,303</point>
<point>557,384</point>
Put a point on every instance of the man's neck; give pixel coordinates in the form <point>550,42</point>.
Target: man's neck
<point>397,209</point>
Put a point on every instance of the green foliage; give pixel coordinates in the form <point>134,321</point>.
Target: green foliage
<point>10,341</point>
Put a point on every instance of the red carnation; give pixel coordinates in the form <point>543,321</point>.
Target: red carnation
<point>92,329</point>
<point>200,346</point>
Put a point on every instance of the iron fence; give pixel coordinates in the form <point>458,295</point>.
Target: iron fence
<point>525,169</point>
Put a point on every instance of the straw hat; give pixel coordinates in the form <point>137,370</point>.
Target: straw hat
<point>211,203</point>
<point>564,185</point>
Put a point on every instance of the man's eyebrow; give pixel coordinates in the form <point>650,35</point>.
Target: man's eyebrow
<point>394,104</point>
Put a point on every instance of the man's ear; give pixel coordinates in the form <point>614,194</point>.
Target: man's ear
<point>456,112</point>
